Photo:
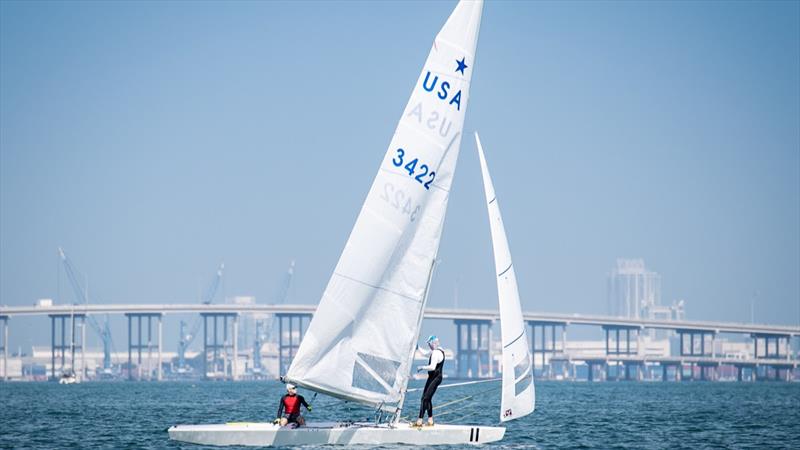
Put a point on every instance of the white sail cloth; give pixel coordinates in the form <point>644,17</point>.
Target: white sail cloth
<point>518,394</point>
<point>360,342</point>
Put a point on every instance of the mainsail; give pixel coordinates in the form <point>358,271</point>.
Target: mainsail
<point>519,397</point>
<point>360,343</point>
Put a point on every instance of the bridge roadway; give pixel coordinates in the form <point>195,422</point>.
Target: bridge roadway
<point>678,360</point>
<point>430,313</point>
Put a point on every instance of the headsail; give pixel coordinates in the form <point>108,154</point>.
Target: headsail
<point>519,397</point>
<point>360,343</point>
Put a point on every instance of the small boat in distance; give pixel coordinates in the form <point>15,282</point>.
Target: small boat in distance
<point>68,377</point>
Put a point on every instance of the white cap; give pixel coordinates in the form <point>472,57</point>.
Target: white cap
<point>290,386</point>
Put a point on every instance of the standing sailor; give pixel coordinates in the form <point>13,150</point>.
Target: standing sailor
<point>434,368</point>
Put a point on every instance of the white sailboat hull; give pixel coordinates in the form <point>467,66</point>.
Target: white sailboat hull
<point>268,434</point>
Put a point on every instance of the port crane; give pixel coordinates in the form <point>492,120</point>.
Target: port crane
<point>82,297</point>
<point>186,339</point>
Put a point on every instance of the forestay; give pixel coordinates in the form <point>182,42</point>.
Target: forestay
<point>519,397</point>
<point>360,343</point>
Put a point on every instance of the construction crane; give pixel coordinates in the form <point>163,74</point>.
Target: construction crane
<point>186,339</point>
<point>82,297</point>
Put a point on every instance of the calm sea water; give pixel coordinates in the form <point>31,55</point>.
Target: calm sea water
<point>568,415</point>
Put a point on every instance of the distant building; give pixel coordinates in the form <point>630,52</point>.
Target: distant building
<point>657,312</point>
<point>673,312</point>
<point>633,291</point>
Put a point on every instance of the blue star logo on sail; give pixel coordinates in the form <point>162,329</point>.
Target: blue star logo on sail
<point>461,65</point>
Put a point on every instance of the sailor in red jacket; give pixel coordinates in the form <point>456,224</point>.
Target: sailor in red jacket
<point>290,403</point>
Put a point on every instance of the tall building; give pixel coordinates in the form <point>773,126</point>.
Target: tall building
<point>633,291</point>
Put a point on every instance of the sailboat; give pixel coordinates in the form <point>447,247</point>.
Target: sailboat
<point>360,344</point>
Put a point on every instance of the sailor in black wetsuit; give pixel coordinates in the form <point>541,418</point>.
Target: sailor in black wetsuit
<point>434,368</point>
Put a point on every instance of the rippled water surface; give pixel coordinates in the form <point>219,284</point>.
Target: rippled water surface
<point>568,415</point>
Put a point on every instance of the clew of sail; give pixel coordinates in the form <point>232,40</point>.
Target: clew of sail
<point>519,396</point>
<point>360,342</point>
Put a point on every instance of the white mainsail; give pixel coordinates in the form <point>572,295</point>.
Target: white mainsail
<point>360,342</point>
<point>519,397</point>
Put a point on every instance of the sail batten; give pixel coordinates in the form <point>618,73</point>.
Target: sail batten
<point>518,392</point>
<point>359,344</point>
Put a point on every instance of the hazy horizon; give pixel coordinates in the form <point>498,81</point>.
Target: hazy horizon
<point>154,141</point>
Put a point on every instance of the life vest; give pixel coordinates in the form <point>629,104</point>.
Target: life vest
<point>438,369</point>
<point>291,404</point>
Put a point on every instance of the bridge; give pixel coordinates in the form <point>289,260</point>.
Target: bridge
<point>623,336</point>
<point>430,313</point>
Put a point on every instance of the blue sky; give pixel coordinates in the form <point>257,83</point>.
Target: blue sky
<point>154,140</point>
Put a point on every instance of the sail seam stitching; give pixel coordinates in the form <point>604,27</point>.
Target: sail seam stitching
<point>516,339</point>
<point>507,269</point>
<point>378,287</point>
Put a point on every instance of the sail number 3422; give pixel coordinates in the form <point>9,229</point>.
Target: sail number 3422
<point>424,176</point>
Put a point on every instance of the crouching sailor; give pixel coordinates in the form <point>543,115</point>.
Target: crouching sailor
<point>289,408</point>
<point>434,368</point>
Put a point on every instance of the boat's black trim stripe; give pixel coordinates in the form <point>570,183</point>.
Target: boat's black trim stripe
<point>507,269</point>
<point>515,339</point>
<point>471,434</point>
<point>477,433</point>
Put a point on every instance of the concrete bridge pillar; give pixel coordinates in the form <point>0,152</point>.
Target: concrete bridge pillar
<point>544,343</point>
<point>771,350</point>
<point>4,345</point>
<point>598,369</point>
<point>59,347</point>
<point>235,338</point>
<point>696,342</point>
<point>772,345</point>
<point>473,348</point>
<point>618,340</point>
<point>291,329</point>
<point>590,374</point>
<point>708,372</point>
<point>140,343</point>
<point>160,355</point>
<point>219,349</point>
<point>491,356</point>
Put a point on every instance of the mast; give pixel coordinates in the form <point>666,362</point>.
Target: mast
<point>404,390</point>
<point>72,339</point>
